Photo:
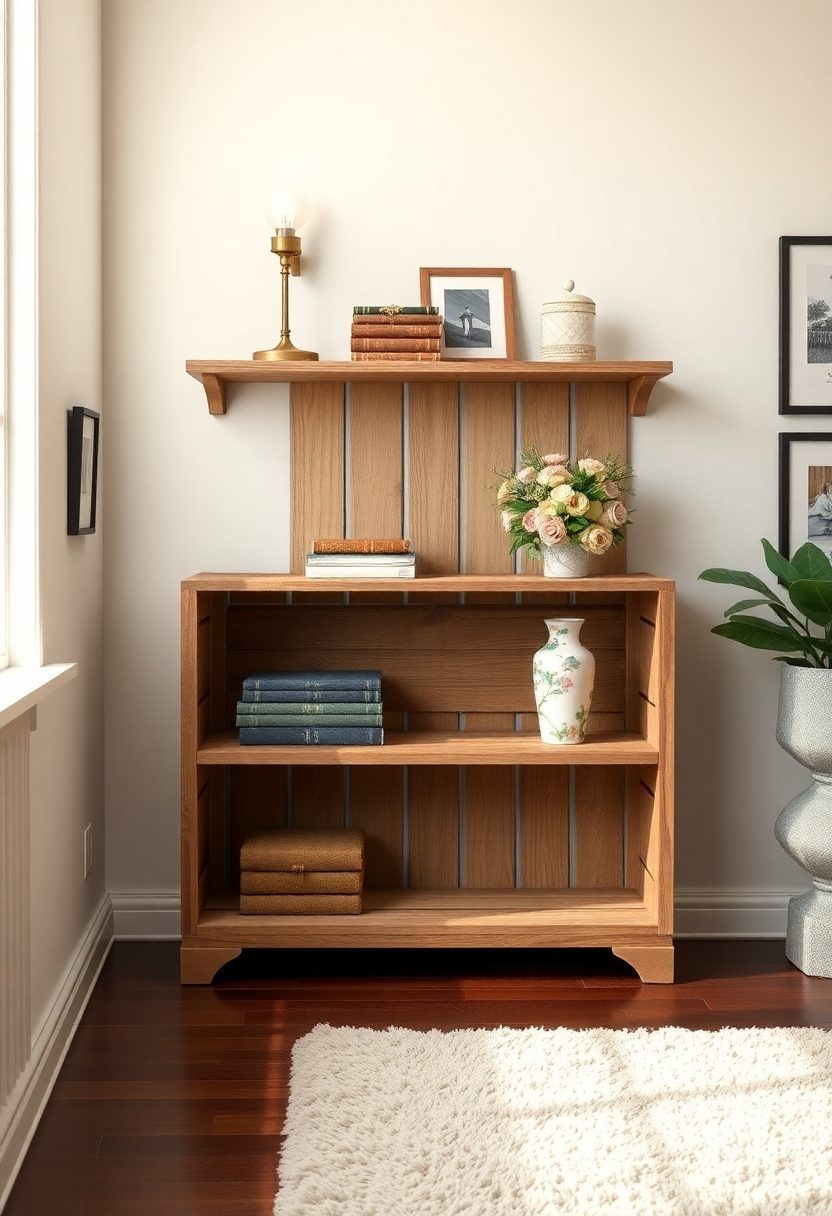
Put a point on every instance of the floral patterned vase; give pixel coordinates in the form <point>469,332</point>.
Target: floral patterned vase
<point>564,675</point>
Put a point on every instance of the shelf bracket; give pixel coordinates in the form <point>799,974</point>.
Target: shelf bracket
<point>215,392</point>
<point>638,394</point>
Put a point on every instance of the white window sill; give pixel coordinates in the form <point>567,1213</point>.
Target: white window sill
<point>21,688</point>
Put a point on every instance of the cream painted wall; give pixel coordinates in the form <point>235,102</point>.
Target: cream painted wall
<point>652,151</point>
<point>67,748</point>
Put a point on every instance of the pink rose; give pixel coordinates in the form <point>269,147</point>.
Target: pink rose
<point>527,475</point>
<point>530,520</point>
<point>614,514</point>
<point>552,529</point>
<point>611,490</point>
<point>595,468</point>
<point>555,458</point>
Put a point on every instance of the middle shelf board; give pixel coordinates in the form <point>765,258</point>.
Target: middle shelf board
<point>439,747</point>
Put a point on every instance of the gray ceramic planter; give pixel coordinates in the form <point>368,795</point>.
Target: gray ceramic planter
<point>804,827</point>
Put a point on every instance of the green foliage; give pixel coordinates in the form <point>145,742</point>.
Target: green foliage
<point>808,582</point>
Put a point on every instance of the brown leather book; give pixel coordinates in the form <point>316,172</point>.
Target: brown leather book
<point>412,356</point>
<point>397,331</point>
<point>374,544</point>
<point>300,905</point>
<point>394,345</point>
<point>309,882</point>
<point>396,318</point>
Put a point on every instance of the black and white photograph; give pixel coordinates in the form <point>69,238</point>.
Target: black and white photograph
<point>477,309</point>
<point>805,325</point>
<point>82,470</point>
<point>467,317</point>
<point>805,492</point>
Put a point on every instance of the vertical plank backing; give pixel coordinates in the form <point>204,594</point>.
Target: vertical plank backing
<point>433,478</point>
<point>601,430</point>
<point>599,827</point>
<point>544,827</point>
<point>376,797</point>
<point>317,426</point>
<point>543,813</point>
<point>488,441</point>
<point>257,799</point>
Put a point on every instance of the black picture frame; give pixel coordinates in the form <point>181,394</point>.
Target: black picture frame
<point>786,406</point>
<point>81,468</point>
<point>787,439</point>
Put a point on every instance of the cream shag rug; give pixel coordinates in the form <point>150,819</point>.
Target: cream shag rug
<point>538,1122</point>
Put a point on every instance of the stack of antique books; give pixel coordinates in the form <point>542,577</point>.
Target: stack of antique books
<point>377,557</point>
<point>315,708</point>
<point>291,872</point>
<point>393,331</point>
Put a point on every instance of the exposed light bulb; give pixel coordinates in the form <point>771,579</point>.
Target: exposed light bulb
<point>288,209</point>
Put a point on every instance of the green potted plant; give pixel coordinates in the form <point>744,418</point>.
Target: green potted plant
<point>799,631</point>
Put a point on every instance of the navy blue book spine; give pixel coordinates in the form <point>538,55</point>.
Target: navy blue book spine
<point>300,736</point>
<point>289,696</point>
<point>355,681</point>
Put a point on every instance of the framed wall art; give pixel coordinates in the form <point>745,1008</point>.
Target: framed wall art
<point>805,491</point>
<point>477,308</point>
<point>82,470</point>
<point>806,324</point>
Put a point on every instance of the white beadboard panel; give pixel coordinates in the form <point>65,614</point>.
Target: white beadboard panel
<point>15,1000</point>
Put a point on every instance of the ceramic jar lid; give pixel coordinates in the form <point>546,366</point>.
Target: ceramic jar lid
<point>569,300</point>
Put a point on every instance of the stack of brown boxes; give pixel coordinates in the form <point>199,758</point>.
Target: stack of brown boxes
<point>288,872</point>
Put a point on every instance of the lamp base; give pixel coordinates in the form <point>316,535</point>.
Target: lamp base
<point>284,352</point>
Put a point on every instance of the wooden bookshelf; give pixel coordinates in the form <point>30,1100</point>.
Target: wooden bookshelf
<point>477,833</point>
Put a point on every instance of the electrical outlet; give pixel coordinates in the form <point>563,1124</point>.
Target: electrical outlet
<point>87,850</point>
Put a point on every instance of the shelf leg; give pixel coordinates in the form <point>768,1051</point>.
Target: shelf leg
<point>654,964</point>
<point>199,964</point>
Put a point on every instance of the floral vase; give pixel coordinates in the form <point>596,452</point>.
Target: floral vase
<point>804,827</point>
<point>565,561</point>
<point>564,674</point>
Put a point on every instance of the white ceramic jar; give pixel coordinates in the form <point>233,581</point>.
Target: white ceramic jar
<point>567,327</point>
<point>564,675</point>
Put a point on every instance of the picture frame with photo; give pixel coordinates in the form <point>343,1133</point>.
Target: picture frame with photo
<point>806,325</point>
<point>805,491</point>
<point>477,309</point>
<point>83,427</point>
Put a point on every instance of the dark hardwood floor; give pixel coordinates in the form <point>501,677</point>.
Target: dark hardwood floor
<point>171,1100</point>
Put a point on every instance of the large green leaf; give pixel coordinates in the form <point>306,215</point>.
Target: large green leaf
<point>737,578</point>
<point>778,565</point>
<point>761,634</point>
<point>813,598</point>
<point>744,605</point>
<point>810,562</point>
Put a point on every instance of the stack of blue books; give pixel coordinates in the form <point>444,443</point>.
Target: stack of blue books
<point>294,708</point>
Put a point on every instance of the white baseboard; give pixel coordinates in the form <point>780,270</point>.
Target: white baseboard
<point>700,912</point>
<point>21,1114</point>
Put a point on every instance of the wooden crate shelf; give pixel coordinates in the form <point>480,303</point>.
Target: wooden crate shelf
<point>437,747</point>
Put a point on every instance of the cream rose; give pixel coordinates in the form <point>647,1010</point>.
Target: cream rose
<point>559,495</point>
<point>504,493</point>
<point>553,475</point>
<point>552,530</point>
<point>530,520</point>
<point>611,490</point>
<point>614,515</point>
<point>555,458</point>
<point>576,503</point>
<point>505,519</point>
<point>594,510</point>
<point>596,539</point>
<point>527,475</point>
<point>595,467</point>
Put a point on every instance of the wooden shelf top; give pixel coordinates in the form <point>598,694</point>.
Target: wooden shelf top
<point>216,374</point>
<point>458,583</point>
<point>445,918</point>
<point>438,747</point>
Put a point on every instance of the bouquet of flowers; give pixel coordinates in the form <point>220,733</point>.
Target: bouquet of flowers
<point>552,501</point>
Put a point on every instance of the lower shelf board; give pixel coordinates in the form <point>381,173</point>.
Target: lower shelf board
<point>439,747</point>
<point>459,917</point>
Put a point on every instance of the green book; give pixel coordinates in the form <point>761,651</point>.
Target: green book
<point>305,720</point>
<point>310,709</point>
<point>380,310</point>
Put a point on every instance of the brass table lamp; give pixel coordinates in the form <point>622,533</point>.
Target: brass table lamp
<point>289,211</point>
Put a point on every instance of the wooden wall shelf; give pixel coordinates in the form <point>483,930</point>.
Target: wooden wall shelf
<point>216,375</point>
